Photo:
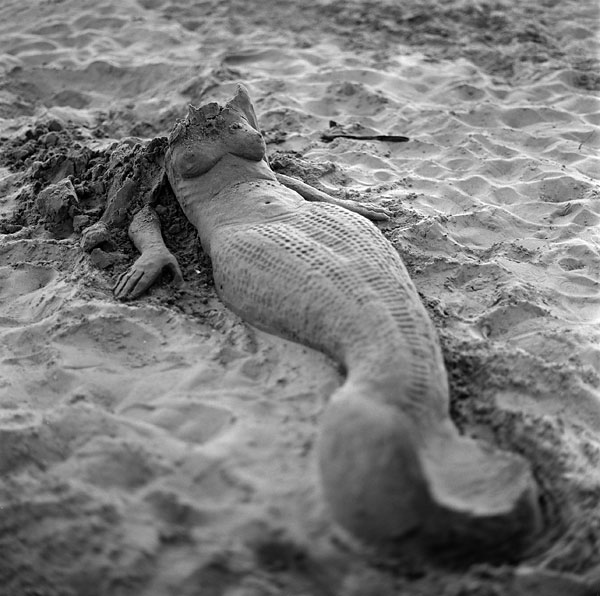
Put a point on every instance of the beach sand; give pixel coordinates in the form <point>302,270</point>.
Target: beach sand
<point>162,446</point>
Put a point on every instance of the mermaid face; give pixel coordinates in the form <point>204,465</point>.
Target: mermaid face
<point>210,132</point>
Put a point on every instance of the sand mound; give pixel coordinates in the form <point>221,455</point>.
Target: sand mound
<point>164,447</point>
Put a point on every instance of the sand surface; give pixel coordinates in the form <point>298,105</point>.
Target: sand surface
<point>162,447</point>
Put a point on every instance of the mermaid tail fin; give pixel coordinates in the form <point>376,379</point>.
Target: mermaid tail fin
<point>483,498</point>
<point>385,479</point>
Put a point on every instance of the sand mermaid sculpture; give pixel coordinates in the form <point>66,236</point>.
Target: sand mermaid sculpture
<point>296,262</point>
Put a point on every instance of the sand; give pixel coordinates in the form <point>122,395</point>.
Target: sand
<point>163,447</point>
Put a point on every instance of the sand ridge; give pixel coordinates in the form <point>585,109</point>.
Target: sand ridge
<point>162,446</point>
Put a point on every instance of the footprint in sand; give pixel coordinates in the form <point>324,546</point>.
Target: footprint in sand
<point>18,281</point>
<point>183,418</point>
<point>507,321</point>
<point>25,441</point>
<point>24,292</point>
<point>570,264</point>
<point>113,462</point>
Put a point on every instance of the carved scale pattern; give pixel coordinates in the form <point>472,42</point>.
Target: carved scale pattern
<point>328,278</point>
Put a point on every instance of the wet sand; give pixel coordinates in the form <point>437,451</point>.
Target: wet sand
<point>163,446</point>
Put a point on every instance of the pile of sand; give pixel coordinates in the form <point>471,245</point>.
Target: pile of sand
<point>164,447</point>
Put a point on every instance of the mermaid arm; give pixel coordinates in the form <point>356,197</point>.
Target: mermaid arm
<point>155,258</point>
<point>368,210</point>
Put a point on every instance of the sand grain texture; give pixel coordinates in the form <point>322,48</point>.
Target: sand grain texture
<point>164,447</point>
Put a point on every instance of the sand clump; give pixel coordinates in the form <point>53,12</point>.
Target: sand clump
<point>162,446</point>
